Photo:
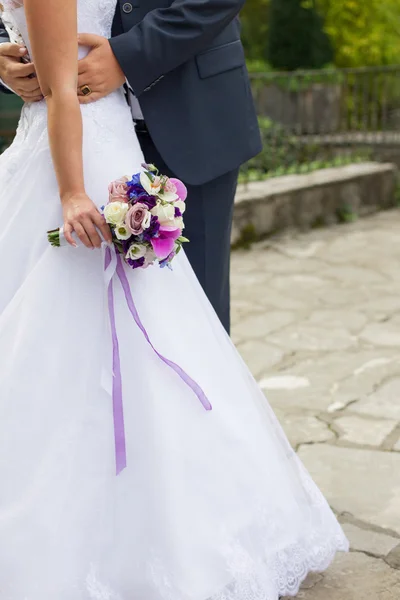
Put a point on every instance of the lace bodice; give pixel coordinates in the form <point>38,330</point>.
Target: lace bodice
<point>94,16</point>
<point>105,121</point>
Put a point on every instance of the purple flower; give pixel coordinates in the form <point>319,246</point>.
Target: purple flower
<point>137,193</point>
<point>149,201</point>
<point>136,264</point>
<point>177,212</point>
<point>153,230</point>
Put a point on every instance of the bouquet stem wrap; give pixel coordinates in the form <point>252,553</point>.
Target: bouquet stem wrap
<point>113,265</point>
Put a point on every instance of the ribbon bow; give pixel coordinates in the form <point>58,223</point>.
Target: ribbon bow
<point>113,265</point>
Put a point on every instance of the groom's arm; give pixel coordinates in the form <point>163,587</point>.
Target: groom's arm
<point>168,37</point>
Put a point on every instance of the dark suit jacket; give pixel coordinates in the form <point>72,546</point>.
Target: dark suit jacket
<point>185,62</point>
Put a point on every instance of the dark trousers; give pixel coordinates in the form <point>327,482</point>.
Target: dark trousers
<point>208,224</point>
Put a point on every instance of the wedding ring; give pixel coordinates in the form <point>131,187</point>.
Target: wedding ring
<point>86,90</point>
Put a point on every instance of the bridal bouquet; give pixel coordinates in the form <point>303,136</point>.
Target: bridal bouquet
<point>145,217</point>
<point>145,214</point>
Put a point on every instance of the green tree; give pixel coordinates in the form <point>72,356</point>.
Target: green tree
<point>255,28</point>
<point>364,33</point>
<point>296,36</point>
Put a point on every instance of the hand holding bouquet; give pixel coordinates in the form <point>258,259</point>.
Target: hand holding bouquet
<point>145,214</point>
<point>145,217</point>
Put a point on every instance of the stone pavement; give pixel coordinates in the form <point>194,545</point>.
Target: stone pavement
<point>317,318</point>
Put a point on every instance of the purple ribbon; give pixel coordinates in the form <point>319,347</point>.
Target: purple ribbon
<point>118,409</point>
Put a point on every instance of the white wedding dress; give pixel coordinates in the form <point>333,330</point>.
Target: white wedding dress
<point>212,505</point>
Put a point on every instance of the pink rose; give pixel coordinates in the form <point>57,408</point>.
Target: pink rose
<point>118,190</point>
<point>136,217</point>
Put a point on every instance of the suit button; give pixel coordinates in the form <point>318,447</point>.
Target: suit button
<point>127,7</point>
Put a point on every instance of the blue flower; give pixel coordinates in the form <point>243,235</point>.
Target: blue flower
<point>134,181</point>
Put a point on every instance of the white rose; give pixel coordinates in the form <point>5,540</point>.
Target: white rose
<point>181,205</point>
<point>115,212</point>
<point>122,232</point>
<point>178,223</point>
<point>164,213</point>
<point>152,186</point>
<point>136,251</point>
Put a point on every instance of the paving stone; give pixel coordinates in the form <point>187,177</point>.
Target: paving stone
<point>384,402</point>
<point>364,431</point>
<point>317,318</point>
<point>393,558</point>
<point>350,243</point>
<point>303,429</point>
<point>273,299</point>
<point>365,380</point>
<point>313,338</point>
<point>259,356</point>
<point>352,320</point>
<point>354,275</point>
<point>378,308</point>
<point>336,295</point>
<point>364,483</point>
<point>284,382</point>
<point>364,540</point>
<point>334,379</point>
<point>298,282</point>
<point>382,334</point>
<point>260,326</point>
<point>355,576</point>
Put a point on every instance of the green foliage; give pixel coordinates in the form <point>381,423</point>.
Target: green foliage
<point>248,236</point>
<point>254,18</point>
<point>297,39</point>
<point>258,65</point>
<point>397,195</point>
<point>346,214</point>
<point>280,148</point>
<point>364,33</point>
<point>284,154</point>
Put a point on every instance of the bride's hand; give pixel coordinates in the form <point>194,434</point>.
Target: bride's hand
<point>82,216</point>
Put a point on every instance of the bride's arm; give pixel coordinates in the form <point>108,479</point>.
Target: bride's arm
<point>52,27</point>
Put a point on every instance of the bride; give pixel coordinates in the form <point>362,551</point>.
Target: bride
<point>213,505</point>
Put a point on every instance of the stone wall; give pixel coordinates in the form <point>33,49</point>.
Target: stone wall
<point>319,198</point>
<point>313,110</point>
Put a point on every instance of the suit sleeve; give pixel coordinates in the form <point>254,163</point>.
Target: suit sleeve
<point>3,38</point>
<point>168,37</point>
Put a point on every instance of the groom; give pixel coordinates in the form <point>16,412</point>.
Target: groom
<point>183,67</point>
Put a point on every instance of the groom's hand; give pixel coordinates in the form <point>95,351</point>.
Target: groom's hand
<point>99,70</point>
<point>18,76</point>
